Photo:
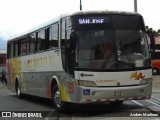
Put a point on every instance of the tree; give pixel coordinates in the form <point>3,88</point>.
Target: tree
<point>158,32</point>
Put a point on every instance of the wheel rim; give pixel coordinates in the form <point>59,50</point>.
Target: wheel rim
<point>57,99</point>
<point>18,91</point>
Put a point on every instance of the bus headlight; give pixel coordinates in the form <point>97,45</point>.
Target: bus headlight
<point>87,83</point>
<point>146,81</point>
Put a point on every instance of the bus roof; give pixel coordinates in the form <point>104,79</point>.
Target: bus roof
<point>56,19</point>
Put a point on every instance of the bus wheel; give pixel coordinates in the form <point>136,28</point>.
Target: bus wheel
<point>56,98</point>
<point>18,90</point>
<point>116,102</point>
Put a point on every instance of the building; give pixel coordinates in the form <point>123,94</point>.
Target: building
<point>3,60</point>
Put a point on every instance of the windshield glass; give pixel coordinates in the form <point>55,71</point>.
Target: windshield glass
<point>115,41</point>
<point>96,48</point>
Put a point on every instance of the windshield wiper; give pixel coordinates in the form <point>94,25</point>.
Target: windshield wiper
<point>123,50</point>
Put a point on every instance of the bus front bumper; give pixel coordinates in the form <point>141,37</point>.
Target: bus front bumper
<point>108,94</point>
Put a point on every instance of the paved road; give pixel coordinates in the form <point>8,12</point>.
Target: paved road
<point>156,86</point>
<point>9,102</point>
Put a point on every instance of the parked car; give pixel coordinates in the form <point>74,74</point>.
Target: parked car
<point>156,66</point>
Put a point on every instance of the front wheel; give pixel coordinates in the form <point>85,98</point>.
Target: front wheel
<point>57,102</point>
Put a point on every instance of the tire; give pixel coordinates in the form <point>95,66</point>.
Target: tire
<point>155,71</point>
<point>18,90</point>
<point>116,102</point>
<point>57,102</point>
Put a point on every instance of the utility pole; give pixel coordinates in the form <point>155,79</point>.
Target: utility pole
<point>135,5</point>
<point>80,5</point>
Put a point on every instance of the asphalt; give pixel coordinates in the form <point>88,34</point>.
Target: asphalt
<point>156,86</point>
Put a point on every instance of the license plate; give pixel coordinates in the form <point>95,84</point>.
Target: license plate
<point>118,93</point>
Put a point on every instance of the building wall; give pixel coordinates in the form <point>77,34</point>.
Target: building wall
<point>3,59</point>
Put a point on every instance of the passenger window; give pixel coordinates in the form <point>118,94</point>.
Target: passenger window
<point>41,40</point>
<point>23,46</point>
<point>63,33</point>
<point>16,48</point>
<point>10,49</point>
<point>53,40</point>
<point>27,42</point>
<point>32,42</point>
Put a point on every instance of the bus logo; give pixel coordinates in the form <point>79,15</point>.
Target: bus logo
<point>87,75</point>
<point>137,76</point>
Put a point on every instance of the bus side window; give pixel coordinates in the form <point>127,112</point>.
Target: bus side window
<point>16,48</point>
<point>47,37</point>
<point>19,48</point>
<point>32,42</point>
<point>41,40</point>
<point>53,38</point>
<point>63,37</point>
<point>63,33</point>
<point>68,31</point>
<point>9,50</point>
<point>12,50</point>
<point>27,42</point>
<point>23,46</point>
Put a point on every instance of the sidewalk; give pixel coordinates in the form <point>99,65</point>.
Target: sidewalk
<point>2,84</point>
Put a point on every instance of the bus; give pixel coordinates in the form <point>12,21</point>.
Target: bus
<point>83,57</point>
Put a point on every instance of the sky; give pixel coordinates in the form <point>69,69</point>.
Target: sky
<point>18,16</point>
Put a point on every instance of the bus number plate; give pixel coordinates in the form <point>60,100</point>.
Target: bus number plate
<point>118,93</point>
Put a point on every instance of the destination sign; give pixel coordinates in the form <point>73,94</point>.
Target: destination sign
<point>91,20</point>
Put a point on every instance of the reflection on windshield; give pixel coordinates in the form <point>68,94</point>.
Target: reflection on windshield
<point>100,50</point>
<point>96,49</point>
<point>113,45</point>
<point>132,47</point>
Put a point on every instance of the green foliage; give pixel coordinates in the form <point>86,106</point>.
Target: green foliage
<point>151,31</point>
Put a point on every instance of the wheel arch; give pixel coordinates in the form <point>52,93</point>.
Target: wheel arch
<point>54,82</point>
<point>17,81</point>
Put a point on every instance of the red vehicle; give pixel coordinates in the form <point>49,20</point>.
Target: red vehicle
<point>2,61</point>
<point>156,66</point>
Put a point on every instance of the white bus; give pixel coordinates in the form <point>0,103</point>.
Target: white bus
<point>83,57</point>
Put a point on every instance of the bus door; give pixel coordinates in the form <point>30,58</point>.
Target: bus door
<point>68,52</point>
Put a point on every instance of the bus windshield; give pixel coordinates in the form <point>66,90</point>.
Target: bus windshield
<point>111,42</point>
